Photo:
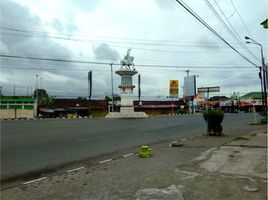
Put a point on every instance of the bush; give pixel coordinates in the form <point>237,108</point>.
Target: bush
<point>181,111</point>
<point>214,119</point>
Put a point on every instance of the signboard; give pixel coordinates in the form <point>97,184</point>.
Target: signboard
<point>189,86</point>
<point>208,89</point>
<point>173,88</point>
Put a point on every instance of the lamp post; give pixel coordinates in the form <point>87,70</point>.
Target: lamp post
<point>112,86</point>
<point>263,70</point>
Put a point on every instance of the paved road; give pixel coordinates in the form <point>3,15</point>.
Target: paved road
<point>34,145</point>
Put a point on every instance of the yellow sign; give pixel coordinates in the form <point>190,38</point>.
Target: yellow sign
<point>173,88</point>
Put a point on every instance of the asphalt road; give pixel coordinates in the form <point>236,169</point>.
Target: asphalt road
<point>38,144</point>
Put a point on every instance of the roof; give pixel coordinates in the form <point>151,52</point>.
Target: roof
<point>157,106</point>
<point>217,98</point>
<point>13,100</point>
<point>63,103</point>
<point>251,95</point>
<point>174,102</point>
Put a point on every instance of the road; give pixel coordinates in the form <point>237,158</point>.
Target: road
<point>38,144</point>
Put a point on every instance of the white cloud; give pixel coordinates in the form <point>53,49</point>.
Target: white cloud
<point>112,22</point>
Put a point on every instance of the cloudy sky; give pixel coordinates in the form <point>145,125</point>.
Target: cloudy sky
<point>163,36</point>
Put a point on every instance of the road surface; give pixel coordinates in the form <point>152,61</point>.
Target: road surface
<point>34,145</point>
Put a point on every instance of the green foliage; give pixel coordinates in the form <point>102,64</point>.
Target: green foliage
<point>116,98</point>
<point>257,122</point>
<point>40,93</point>
<point>98,113</point>
<point>49,100</point>
<point>43,97</point>
<point>108,98</point>
<point>235,96</point>
<point>81,98</point>
<point>181,111</point>
<point>214,119</point>
<point>215,116</point>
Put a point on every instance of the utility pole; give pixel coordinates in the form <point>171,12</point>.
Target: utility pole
<point>36,96</point>
<point>89,90</point>
<point>89,85</point>
<point>264,73</point>
<point>112,86</point>
<point>262,94</point>
<point>14,90</point>
<point>41,79</point>
<point>264,82</point>
<point>139,91</point>
<point>36,87</point>
<point>187,71</point>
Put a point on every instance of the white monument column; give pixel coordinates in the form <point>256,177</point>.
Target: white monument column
<point>126,72</point>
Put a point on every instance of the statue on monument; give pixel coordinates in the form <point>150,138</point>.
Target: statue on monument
<point>128,61</point>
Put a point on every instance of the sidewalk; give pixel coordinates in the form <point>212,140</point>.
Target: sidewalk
<point>201,167</point>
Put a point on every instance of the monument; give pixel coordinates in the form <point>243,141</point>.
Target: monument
<point>126,72</point>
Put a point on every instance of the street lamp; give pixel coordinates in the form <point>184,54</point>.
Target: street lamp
<point>263,70</point>
<point>112,86</point>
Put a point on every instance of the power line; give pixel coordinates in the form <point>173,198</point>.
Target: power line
<point>232,32</point>
<point>156,42</point>
<point>145,41</point>
<point>108,63</point>
<point>186,7</point>
<point>151,61</point>
<point>245,26</point>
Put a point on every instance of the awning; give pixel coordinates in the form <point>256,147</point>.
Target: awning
<point>51,110</point>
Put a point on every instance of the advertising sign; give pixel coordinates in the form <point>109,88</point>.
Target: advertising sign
<point>173,88</point>
<point>208,89</point>
<point>189,86</point>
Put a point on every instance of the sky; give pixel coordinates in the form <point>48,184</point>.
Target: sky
<point>161,34</point>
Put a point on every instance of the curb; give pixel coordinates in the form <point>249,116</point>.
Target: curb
<point>56,118</point>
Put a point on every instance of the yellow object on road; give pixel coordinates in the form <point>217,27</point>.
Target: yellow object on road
<point>145,151</point>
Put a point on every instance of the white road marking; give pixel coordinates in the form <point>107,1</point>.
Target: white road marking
<point>104,161</point>
<point>76,169</point>
<point>35,180</point>
<point>127,155</point>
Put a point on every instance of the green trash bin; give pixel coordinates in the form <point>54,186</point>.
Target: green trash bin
<point>145,151</point>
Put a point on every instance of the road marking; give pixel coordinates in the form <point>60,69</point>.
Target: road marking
<point>35,180</point>
<point>76,169</point>
<point>104,161</point>
<point>127,155</point>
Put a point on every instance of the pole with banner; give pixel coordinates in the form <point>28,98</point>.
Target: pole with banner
<point>173,91</point>
<point>253,107</point>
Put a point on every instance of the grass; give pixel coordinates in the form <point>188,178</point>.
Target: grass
<point>257,122</point>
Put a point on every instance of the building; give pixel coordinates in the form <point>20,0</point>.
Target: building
<point>160,107</point>
<point>251,99</point>
<point>73,108</point>
<point>17,107</point>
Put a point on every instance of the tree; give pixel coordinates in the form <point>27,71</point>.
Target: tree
<point>48,101</point>
<point>40,93</point>
<point>116,98</point>
<point>43,98</point>
<point>81,98</point>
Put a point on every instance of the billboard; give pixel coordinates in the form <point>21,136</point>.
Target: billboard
<point>189,86</point>
<point>173,88</point>
<point>208,89</point>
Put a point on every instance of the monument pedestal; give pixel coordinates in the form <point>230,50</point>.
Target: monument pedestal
<point>126,88</point>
